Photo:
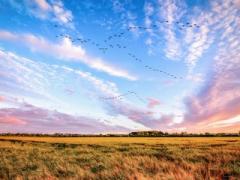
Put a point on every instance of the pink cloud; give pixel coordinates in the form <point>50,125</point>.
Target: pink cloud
<point>2,98</point>
<point>12,120</point>
<point>40,120</point>
<point>152,103</point>
<point>218,100</point>
<point>141,116</point>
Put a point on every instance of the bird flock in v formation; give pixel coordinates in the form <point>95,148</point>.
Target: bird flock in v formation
<point>108,44</point>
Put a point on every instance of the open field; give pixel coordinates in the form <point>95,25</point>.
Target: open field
<point>119,158</point>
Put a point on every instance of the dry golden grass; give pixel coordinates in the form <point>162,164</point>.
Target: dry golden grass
<point>119,140</point>
<point>119,158</point>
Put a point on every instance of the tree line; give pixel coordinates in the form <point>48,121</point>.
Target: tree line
<point>131,134</point>
<point>181,134</point>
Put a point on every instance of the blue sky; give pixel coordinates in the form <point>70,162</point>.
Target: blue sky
<point>118,66</point>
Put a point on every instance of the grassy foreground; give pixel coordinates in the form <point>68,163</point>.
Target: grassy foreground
<point>119,158</point>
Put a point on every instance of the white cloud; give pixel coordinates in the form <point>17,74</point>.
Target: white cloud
<point>149,10</point>
<point>216,26</point>
<point>62,15</point>
<point>172,48</point>
<point>171,12</point>
<point>107,88</point>
<point>198,78</point>
<point>190,43</point>
<point>22,76</point>
<point>65,50</point>
<point>128,18</point>
<point>43,4</point>
<point>197,41</point>
<point>53,10</point>
<point>131,22</point>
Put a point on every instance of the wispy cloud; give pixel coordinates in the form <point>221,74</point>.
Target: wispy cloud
<point>198,77</point>
<point>183,41</point>
<point>20,74</point>
<point>149,11</point>
<point>38,77</point>
<point>104,88</point>
<point>65,50</point>
<point>128,18</point>
<point>218,20</point>
<point>32,81</point>
<point>170,11</point>
<point>53,10</point>
<point>197,45</point>
<point>219,98</point>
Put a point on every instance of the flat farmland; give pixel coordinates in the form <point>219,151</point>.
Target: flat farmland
<point>119,157</point>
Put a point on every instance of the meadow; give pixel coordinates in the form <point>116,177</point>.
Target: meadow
<point>119,158</point>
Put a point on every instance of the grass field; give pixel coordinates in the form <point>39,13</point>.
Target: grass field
<point>119,158</point>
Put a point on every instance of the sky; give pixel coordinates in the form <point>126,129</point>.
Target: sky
<point>116,66</point>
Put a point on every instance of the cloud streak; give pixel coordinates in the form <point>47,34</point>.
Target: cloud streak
<point>65,50</point>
